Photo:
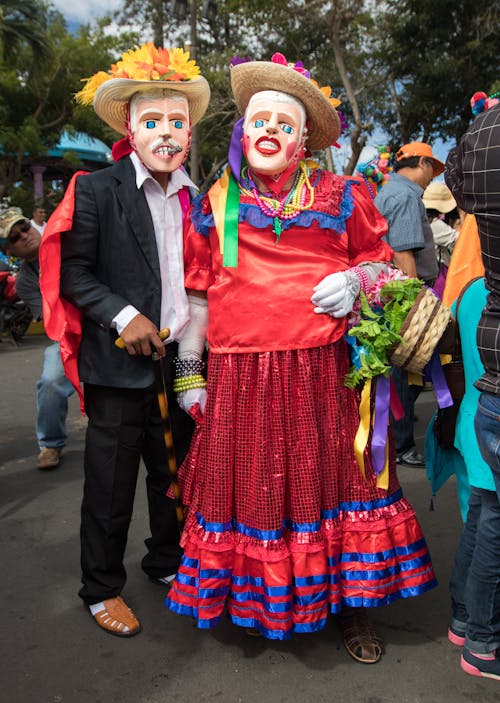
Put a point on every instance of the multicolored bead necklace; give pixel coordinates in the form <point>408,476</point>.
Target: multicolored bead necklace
<point>288,207</point>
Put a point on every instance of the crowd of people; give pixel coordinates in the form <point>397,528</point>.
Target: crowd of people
<point>230,309</point>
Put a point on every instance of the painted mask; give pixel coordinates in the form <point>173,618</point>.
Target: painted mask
<point>161,132</point>
<point>273,133</point>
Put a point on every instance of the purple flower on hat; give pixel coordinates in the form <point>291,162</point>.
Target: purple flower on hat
<point>235,60</point>
<point>343,122</point>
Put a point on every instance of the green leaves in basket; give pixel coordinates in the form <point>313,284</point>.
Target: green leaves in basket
<point>398,298</point>
<point>378,329</point>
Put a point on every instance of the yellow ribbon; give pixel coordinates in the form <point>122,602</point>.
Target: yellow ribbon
<point>218,196</point>
<point>362,434</point>
<point>361,438</point>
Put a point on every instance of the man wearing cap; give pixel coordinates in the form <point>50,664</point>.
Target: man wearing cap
<point>122,275</point>
<point>410,236</point>
<point>53,389</point>
<point>282,526</point>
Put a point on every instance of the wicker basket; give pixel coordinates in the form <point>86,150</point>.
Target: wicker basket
<point>421,332</point>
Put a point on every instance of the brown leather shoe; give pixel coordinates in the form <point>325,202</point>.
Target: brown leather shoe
<point>117,618</point>
<point>49,458</point>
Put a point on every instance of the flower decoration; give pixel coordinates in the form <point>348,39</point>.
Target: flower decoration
<point>144,63</point>
<point>235,60</point>
<point>481,102</point>
<point>344,124</point>
<point>376,172</point>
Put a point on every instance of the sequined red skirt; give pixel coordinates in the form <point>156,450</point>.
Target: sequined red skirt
<point>281,526</point>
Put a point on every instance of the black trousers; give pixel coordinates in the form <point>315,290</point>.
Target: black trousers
<point>125,425</point>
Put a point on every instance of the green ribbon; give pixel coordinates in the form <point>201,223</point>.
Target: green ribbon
<point>230,257</point>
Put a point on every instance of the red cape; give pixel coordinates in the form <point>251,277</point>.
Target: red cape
<point>62,320</point>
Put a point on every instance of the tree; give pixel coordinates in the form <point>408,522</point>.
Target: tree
<point>36,92</point>
<point>21,23</point>
<point>436,54</point>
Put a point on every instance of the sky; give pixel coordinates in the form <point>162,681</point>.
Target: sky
<point>82,11</point>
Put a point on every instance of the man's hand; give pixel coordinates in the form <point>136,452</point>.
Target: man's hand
<point>140,335</point>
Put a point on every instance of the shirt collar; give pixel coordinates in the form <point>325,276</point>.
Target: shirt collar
<point>414,186</point>
<point>178,178</point>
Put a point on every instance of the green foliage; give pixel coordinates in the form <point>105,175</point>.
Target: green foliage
<point>378,329</point>
<point>436,54</point>
<point>36,91</point>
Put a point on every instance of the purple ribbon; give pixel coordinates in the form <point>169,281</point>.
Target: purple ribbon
<point>441,390</point>
<point>381,420</point>
<point>235,150</point>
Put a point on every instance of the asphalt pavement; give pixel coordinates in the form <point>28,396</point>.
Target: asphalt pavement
<point>52,652</point>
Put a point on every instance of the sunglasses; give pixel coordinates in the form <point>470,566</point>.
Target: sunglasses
<point>23,228</point>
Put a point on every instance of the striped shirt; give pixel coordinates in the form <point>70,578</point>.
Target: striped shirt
<point>473,175</point>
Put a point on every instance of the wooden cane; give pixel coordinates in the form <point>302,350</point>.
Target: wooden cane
<point>158,363</point>
<point>161,389</point>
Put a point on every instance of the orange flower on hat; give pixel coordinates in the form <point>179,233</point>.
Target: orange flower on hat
<point>144,63</point>
<point>327,91</point>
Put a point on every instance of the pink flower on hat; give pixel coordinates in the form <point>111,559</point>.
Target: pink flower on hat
<point>299,66</point>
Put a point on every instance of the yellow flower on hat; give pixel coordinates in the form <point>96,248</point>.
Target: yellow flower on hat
<point>183,67</point>
<point>86,95</point>
<point>143,63</point>
<point>136,63</point>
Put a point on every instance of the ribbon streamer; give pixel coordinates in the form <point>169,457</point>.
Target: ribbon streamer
<point>361,438</point>
<point>441,390</point>
<point>380,423</point>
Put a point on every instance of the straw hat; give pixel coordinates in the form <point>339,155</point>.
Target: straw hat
<point>112,98</point>
<point>252,77</point>
<point>141,70</point>
<point>437,196</point>
<point>420,149</point>
<point>8,218</point>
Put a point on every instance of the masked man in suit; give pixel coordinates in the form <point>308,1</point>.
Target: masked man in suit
<point>119,234</point>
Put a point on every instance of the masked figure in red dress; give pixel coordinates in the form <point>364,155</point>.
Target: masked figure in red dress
<point>282,527</point>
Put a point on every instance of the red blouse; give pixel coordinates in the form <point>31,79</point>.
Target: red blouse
<point>264,304</point>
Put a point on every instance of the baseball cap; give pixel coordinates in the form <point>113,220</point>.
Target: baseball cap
<point>420,149</point>
<point>8,218</point>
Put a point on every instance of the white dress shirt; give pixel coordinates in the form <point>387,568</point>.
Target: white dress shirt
<point>166,213</point>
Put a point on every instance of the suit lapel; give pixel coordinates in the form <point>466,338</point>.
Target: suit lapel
<point>135,207</point>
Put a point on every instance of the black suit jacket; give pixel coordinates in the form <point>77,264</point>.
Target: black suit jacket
<point>110,260</point>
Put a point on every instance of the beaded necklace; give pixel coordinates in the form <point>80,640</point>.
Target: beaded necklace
<point>288,207</point>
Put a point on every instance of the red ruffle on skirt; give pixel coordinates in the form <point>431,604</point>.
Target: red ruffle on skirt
<point>282,527</point>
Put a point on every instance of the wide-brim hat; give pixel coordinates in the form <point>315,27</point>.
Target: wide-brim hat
<point>437,196</point>
<point>255,76</point>
<point>112,98</point>
<point>420,149</point>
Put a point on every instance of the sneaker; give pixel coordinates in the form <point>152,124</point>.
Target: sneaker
<point>410,458</point>
<point>49,458</point>
<point>456,636</point>
<point>486,665</point>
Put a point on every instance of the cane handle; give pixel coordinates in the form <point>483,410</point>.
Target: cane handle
<point>162,334</point>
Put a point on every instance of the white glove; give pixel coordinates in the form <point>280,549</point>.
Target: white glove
<point>336,293</point>
<point>191,347</point>
<point>187,399</point>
